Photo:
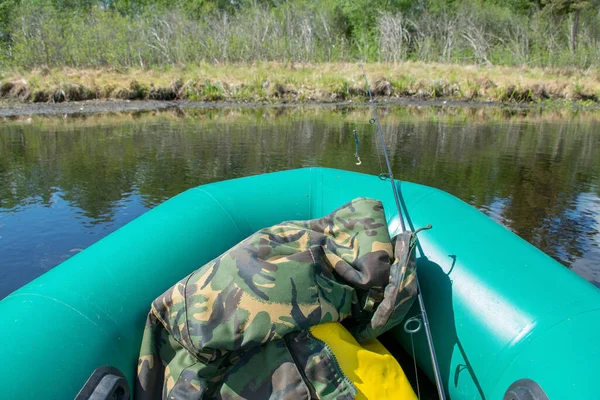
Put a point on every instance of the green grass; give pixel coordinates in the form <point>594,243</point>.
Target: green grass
<point>276,82</point>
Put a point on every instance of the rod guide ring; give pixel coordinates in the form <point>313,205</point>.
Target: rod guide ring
<point>414,320</point>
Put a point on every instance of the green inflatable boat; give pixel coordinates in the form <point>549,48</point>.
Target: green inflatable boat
<point>507,320</point>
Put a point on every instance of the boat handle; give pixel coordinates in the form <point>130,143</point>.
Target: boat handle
<point>103,384</point>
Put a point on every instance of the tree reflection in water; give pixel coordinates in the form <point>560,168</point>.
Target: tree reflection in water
<point>64,184</point>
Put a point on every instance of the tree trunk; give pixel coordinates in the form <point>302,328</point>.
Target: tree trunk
<point>574,31</point>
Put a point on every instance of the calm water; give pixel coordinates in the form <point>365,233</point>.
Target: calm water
<point>66,183</point>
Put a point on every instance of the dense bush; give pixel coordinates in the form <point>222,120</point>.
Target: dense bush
<point>145,33</point>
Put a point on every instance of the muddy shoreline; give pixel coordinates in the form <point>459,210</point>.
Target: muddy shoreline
<point>17,109</point>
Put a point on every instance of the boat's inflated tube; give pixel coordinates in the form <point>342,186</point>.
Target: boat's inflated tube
<point>500,310</point>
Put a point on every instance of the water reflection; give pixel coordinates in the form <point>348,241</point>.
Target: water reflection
<point>588,263</point>
<point>64,184</point>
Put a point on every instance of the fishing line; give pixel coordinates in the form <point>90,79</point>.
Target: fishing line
<point>381,173</point>
<point>423,315</point>
<point>358,162</point>
<point>411,332</point>
<point>378,157</point>
<point>412,344</point>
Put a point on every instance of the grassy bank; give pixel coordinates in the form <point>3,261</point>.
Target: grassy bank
<point>329,82</point>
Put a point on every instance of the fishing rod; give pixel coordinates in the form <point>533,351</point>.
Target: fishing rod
<point>375,120</point>
<point>436,368</point>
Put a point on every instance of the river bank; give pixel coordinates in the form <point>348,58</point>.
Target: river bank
<point>276,83</point>
<point>16,109</point>
<point>110,111</point>
<point>435,108</point>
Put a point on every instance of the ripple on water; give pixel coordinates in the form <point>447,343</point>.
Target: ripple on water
<point>65,185</point>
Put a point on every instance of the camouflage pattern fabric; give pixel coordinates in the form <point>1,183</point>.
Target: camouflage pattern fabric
<point>238,327</point>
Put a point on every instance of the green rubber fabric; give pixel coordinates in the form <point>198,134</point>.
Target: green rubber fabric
<point>500,310</point>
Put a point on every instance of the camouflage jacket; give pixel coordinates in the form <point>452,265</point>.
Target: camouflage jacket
<point>238,327</point>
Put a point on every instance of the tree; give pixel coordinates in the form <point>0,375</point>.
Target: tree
<point>7,8</point>
<point>568,7</point>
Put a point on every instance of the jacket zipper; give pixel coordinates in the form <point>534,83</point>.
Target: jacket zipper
<point>335,361</point>
<point>307,382</point>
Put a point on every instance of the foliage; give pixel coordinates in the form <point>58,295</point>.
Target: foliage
<point>158,33</point>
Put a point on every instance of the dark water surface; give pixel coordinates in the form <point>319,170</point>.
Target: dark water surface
<point>66,183</point>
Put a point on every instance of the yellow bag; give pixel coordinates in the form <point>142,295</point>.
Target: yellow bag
<point>373,370</point>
